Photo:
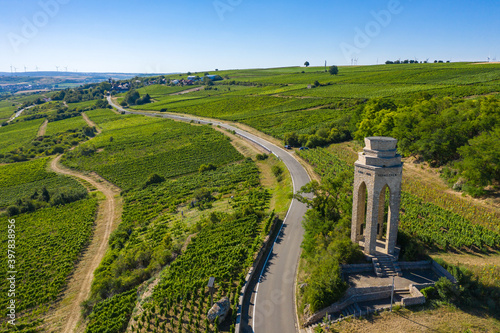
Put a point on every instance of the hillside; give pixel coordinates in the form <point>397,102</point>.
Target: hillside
<point>198,201</point>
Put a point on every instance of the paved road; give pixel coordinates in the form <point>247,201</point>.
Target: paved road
<point>271,307</point>
<point>18,113</point>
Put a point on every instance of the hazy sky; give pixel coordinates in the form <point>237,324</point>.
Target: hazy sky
<point>194,35</point>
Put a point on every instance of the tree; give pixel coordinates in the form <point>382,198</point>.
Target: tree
<point>132,96</point>
<point>334,70</point>
<point>306,64</point>
<point>292,139</point>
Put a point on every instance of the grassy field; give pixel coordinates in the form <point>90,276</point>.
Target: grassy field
<point>21,180</point>
<point>18,134</point>
<point>69,124</point>
<point>278,100</point>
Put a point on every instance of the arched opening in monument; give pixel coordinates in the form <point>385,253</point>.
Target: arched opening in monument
<point>384,213</point>
<point>362,209</point>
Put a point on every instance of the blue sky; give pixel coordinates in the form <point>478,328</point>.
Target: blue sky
<point>196,35</point>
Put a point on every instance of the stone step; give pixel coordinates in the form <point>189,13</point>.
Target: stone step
<point>357,308</point>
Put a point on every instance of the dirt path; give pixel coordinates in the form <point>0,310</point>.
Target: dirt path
<point>90,122</point>
<point>43,128</point>
<point>187,91</point>
<point>66,315</point>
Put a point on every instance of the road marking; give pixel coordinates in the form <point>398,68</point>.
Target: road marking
<point>265,265</point>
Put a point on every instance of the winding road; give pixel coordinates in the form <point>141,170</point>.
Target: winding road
<point>271,305</point>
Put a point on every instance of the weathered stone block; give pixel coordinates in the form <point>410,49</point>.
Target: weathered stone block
<point>220,309</point>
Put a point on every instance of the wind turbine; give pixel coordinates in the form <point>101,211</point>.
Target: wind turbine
<point>25,69</point>
<point>66,68</point>
<point>11,69</point>
<point>36,68</point>
<point>57,68</point>
<point>15,69</point>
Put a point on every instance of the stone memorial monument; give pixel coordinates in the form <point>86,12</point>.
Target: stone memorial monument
<point>378,169</point>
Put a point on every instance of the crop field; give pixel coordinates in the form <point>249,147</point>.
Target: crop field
<point>61,126</point>
<point>48,243</point>
<point>141,206</point>
<point>23,179</point>
<point>18,134</point>
<point>135,147</point>
<point>155,223</point>
<point>264,98</point>
<point>7,108</point>
<point>429,222</point>
<point>102,116</point>
<point>221,250</point>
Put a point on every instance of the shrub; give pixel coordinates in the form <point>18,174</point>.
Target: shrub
<point>207,167</point>
<point>429,292</point>
<point>262,157</point>
<point>154,179</point>
<point>276,170</point>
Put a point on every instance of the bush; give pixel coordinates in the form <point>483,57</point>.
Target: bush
<point>262,157</point>
<point>12,210</point>
<point>429,293</point>
<point>207,167</point>
<point>277,170</point>
<point>154,179</point>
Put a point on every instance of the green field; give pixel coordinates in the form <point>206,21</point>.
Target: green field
<point>18,134</point>
<point>193,207</point>
<point>48,243</point>
<point>132,148</point>
<point>433,225</point>
<point>102,116</point>
<point>278,100</point>
<point>61,126</point>
<point>21,180</point>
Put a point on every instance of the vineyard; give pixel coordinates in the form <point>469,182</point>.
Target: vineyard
<point>159,217</point>
<point>277,101</point>
<point>222,249</point>
<point>157,221</point>
<point>48,243</point>
<point>103,116</point>
<point>429,222</point>
<point>17,135</point>
<point>132,148</point>
<point>21,180</point>
<point>65,125</point>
